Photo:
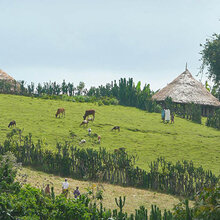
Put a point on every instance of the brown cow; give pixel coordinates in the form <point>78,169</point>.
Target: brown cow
<point>60,111</point>
<point>12,123</point>
<point>89,112</point>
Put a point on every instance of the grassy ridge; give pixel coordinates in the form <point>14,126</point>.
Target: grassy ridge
<point>141,133</point>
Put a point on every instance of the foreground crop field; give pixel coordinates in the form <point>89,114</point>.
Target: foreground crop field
<point>142,133</point>
<point>134,197</point>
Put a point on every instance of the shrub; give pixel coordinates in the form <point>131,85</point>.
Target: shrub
<point>207,204</point>
<point>214,120</point>
<point>100,103</point>
<point>196,113</point>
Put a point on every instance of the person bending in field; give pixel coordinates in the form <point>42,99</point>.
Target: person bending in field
<point>47,189</point>
<point>76,192</point>
<point>65,187</point>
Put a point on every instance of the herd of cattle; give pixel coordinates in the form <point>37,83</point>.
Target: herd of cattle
<point>86,118</point>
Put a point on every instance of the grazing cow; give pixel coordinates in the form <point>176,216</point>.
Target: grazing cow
<point>84,122</point>
<point>83,141</point>
<point>12,123</point>
<point>90,119</point>
<point>60,111</point>
<point>89,112</point>
<point>89,131</point>
<point>116,128</point>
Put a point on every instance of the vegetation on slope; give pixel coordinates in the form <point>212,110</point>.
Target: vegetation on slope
<point>134,197</point>
<point>31,203</point>
<point>181,178</point>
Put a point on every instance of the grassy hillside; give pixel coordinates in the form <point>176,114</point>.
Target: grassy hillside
<point>141,133</point>
<point>134,197</point>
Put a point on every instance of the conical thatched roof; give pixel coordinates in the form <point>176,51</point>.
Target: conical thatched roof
<point>186,89</point>
<point>5,76</point>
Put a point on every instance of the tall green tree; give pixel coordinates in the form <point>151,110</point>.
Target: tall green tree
<point>64,87</point>
<point>80,88</point>
<point>211,57</point>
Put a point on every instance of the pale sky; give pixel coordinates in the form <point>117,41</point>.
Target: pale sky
<point>97,41</point>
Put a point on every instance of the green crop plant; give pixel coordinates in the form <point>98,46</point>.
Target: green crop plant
<point>120,203</point>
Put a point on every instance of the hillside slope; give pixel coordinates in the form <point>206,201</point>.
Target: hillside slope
<point>141,133</point>
<point>134,197</point>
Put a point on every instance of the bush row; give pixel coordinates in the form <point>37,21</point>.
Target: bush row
<point>180,178</point>
<point>27,202</point>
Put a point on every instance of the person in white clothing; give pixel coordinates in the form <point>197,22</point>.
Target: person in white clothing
<point>65,187</point>
<point>167,115</point>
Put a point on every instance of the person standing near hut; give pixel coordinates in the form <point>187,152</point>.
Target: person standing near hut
<point>167,115</point>
<point>172,118</point>
<point>163,115</point>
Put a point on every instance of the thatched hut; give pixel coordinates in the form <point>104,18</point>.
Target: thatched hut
<point>5,76</point>
<point>184,90</point>
<point>7,83</point>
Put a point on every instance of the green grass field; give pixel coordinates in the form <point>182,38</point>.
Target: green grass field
<point>141,133</point>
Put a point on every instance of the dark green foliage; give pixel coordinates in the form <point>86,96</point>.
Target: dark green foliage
<point>207,204</point>
<point>8,87</point>
<point>183,211</point>
<point>155,213</point>
<point>211,57</point>
<point>124,93</point>
<point>169,104</point>
<point>8,170</point>
<point>211,61</point>
<point>31,203</point>
<point>120,203</point>
<point>196,113</point>
<point>141,213</point>
<point>180,178</point>
<point>214,120</point>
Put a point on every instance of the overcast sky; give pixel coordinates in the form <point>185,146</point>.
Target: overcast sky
<point>97,41</point>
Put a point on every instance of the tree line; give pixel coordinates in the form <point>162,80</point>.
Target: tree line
<point>125,92</point>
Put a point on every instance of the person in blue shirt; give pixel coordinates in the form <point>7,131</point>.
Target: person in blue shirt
<point>76,192</point>
<point>163,115</point>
